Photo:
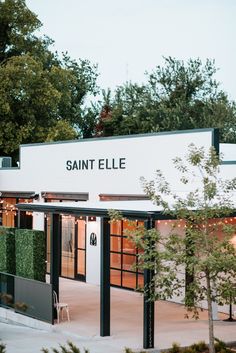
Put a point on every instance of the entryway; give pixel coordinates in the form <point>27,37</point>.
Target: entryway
<point>73,247</point>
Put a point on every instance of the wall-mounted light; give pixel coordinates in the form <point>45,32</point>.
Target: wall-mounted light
<point>91,219</point>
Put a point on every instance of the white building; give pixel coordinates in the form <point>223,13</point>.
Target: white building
<point>96,170</point>
<point>102,173</point>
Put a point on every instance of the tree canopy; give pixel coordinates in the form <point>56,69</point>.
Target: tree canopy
<point>177,96</point>
<point>41,94</point>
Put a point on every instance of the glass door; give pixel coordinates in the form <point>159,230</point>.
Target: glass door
<point>68,246</point>
<point>80,251</point>
<point>124,257</point>
<point>73,247</point>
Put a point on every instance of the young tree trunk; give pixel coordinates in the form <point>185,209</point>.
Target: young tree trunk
<point>210,316</point>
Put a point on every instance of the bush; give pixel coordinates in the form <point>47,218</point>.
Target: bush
<point>71,348</point>
<point>200,347</point>
<point>7,250</point>
<point>175,348</point>
<point>31,254</point>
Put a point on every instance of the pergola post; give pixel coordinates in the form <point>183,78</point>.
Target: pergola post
<point>55,252</point>
<point>105,278</point>
<point>148,305</point>
<point>18,219</point>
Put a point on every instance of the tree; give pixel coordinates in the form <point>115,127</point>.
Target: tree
<point>42,96</point>
<point>176,96</point>
<point>17,33</point>
<point>127,112</point>
<point>205,250</point>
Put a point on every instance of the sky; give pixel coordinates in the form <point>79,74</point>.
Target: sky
<point>127,38</point>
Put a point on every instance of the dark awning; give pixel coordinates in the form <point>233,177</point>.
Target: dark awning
<point>72,196</point>
<point>18,194</point>
<point>129,209</point>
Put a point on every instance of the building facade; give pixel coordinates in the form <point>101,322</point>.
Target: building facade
<point>97,170</point>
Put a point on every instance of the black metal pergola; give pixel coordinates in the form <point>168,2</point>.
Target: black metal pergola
<point>83,209</point>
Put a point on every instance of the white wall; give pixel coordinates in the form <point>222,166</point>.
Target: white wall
<point>229,151</point>
<point>166,227</point>
<point>43,166</point>
<point>93,253</point>
<point>38,221</point>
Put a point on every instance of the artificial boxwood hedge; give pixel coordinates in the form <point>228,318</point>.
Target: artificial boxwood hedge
<point>7,250</point>
<point>30,254</point>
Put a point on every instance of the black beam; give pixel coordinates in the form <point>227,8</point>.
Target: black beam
<point>21,220</point>
<point>55,253</point>
<point>148,305</point>
<point>105,278</point>
<point>216,140</point>
<point>83,211</point>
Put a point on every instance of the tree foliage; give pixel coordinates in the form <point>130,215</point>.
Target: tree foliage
<point>198,241</point>
<point>17,27</point>
<point>205,249</point>
<point>41,94</point>
<point>176,96</point>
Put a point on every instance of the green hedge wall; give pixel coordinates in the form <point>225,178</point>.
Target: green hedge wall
<point>7,250</point>
<point>31,254</point>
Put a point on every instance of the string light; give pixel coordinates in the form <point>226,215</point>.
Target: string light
<point>212,223</point>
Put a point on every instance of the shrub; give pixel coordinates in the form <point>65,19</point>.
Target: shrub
<point>7,250</point>
<point>200,347</point>
<point>175,348</point>
<point>31,254</point>
<point>71,348</point>
<point>221,347</point>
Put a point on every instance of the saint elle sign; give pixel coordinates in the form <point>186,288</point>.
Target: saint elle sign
<point>96,164</point>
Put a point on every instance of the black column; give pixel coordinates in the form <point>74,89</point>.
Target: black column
<point>55,252</point>
<point>18,218</point>
<point>105,278</point>
<point>148,306</point>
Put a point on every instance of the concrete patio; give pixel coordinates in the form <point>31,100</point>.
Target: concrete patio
<point>127,317</point>
<point>126,324</point>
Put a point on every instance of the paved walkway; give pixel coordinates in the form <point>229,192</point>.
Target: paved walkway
<point>126,324</point>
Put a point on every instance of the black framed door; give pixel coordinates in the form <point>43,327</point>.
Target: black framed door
<point>124,257</point>
<point>80,249</point>
<point>73,247</point>
<point>68,246</point>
